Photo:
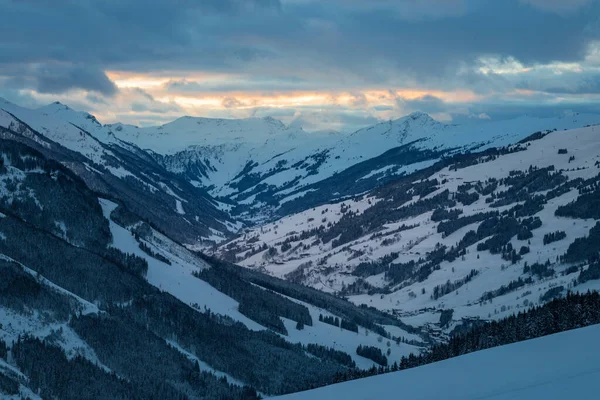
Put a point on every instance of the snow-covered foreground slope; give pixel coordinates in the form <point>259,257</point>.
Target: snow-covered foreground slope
<point>380,249</point>
<point>561,366</point>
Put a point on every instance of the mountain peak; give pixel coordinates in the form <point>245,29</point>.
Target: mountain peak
<point>55,107</point>
<point>419,116</point>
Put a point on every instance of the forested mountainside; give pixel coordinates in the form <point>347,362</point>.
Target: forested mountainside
<point>473,237</point>
<point>95,300</point>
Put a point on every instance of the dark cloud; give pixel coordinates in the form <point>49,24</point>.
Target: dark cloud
<point>60,78</point>
<point>569,83</point>
<point>375,43</point>
<point>293,45</point>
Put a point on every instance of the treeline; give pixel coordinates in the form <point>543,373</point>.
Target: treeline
<point>372,353</point>
<point>367,317</point>
<point>554,237</point>
<point>130,262</point>
<point>340,323</point>
<point>504,289</point>
<point>585,248</point>
<point>146,249</point>
<point>260,305</point>
<point>559,315</point>
<point>449,287</point>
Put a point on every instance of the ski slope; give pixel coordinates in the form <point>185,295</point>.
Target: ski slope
<point>561,366</point>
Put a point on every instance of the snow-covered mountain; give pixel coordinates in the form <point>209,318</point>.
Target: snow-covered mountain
<point>118,170</point>
<point>476,236</point>
<point>262,168</point>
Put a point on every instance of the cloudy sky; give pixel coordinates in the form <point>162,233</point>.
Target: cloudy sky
<point>335,64</point>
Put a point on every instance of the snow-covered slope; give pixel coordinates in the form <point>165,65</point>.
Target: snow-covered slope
<point>560,366</point>
<point>88,286</point>
<point>394,249</point>
<point>118,169</point>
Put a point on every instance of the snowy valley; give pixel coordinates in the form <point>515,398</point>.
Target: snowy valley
<point>244,258</point>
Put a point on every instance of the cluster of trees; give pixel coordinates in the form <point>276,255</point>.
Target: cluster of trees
<point>130,262</point>
<point>554,237</point>
<point>522,184</point>
<point>146,249</point>
<point>87,272</point>
<point>451,226</point>
<point>3,350</point>
<point>23,293</point>
<point>585,248</point>
<point>370,268</point>
<point>340,323</point>
<point>440,214</point>
<point>552,293</point>
<point>328,353</point>
<point>466,198</point>
<point>353,225</point>
<point>589,274</point>
<point>587,205</point>
<point>56,376</point>
<point>540,270</point>
<point>504,289</point>
<point>372,353</point>
<point>449,287</point>
<point>8,385</point>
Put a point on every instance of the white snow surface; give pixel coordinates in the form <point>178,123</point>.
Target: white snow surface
<point>328,268</point>
<point>557,367</point>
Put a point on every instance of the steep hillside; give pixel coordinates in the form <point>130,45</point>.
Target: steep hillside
<point>474,236</point>
<point>118,170</point>
<point>94,296</point>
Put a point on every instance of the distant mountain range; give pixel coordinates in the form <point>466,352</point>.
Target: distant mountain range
<point>257,169</point>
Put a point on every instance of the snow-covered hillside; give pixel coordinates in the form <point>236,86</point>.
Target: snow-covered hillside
<point>93,291</point>
<point>407,247</point>
<point>560,366</point>
<point>118,169</point>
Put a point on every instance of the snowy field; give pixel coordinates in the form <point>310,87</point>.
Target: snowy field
<point>561,366</point>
